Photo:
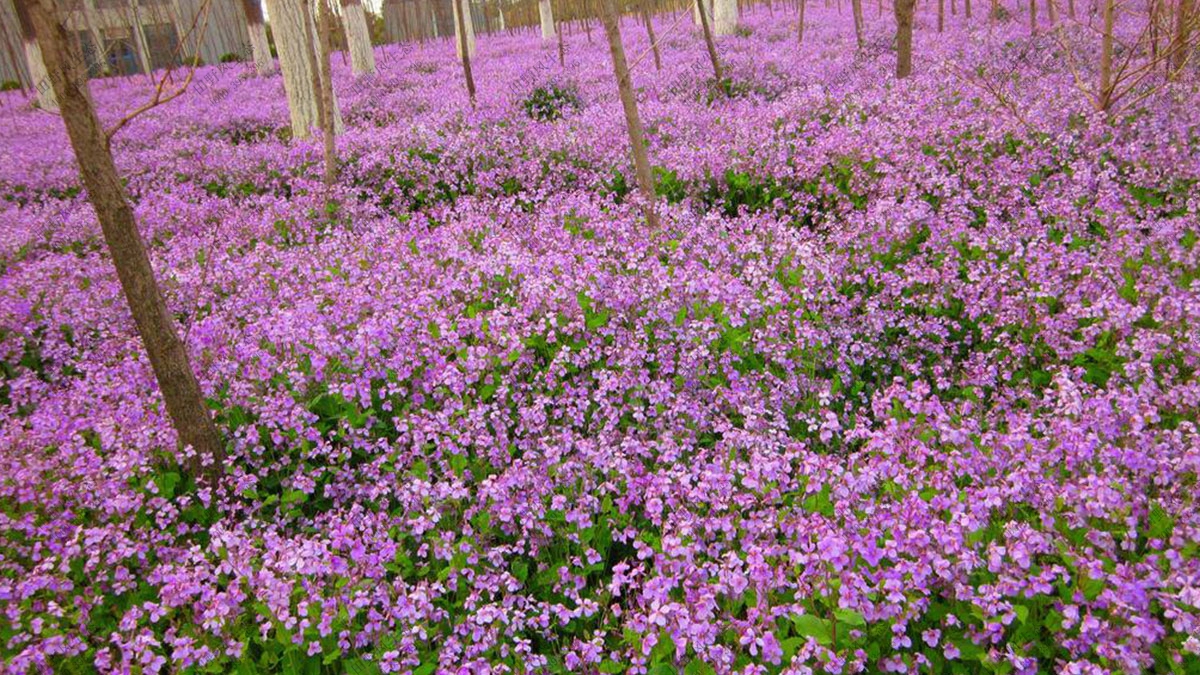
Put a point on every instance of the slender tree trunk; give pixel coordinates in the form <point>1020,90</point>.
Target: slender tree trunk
<point>1181,43</point>
<point>464,50</point>
<point>464,25</point>
<point>33,58</point>
<point>1033,27</point>
<point>708,41</point>
<point>562,51</point>
<point>856,7</point>
<point>546,13</point>
<point>328,135</point>
<point>904,31</point>
<point>633,122</point>
<point>1052,12</point>
<point>967,8</point>
<point>358,37</point>
<point>941,15</point>
<point>155,325</point>
<point>1071,9</point>
<point>800,22</point>
<point>260,48</point>
<point>650,34</point>
<point>1104,95</point>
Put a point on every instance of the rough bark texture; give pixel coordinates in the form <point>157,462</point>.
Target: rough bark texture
<point>941,15</point>
<point>633,122</point>
<point>291,23</point>
<point>463,26</point>
<point>725,16</point>
<point>800,23</point>
<point>1033,27</point>
<point>168,355</point>
<point>904,31</point>
<point>465,48</point>
<point>260,47</point>
<point>1183,35</point>
<point>33,58</point>
<point>709,43</point>
<point>1104,95</point>
<point>325,82</point>
<point>546,14</point>
<point>649,21</point>
<point>856,7</point>
<point>358,37</point>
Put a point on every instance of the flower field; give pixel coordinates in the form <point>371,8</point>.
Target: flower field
<point>905,382</point>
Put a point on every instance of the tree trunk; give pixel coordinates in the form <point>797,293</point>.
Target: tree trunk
<point>967,8</point>
<point>941,15</point>
<point>633,122</point>
<point>800,23</point>
<point>465,48</point>
<point>464,25</point>
<point>358,37</point>
<point>725,16</point>
<point>562,52</point>
<point>1182,40</point>
<point>1052,12</point>
<point>856,8</point>
<point>546,14</point>
<point>904,31</point>
<point>168,355</point>
<point>260,48</point>
<point>325,82</point>
<point>1033,17</point>
<point>1104,95</point>
<point>708,41</point>
<point>295,38</point>
<point>38,76</point>
<point>650,34</point>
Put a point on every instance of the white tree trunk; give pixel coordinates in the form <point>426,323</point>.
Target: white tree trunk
<point>547,14</point>
<point>708,5</point>
<point>464,6</point>
<point>295,41</point>
<point>39,77</point>
<point>725,16</point>
<point>260,49</point>
<point>358,37</point>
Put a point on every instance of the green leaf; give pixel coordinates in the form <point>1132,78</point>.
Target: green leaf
<point>808,625</point>
<point>611,667</point>
<point>361,667</point>
<point>849,617</point>
<point>698,667</point>
<point>1161,523</point>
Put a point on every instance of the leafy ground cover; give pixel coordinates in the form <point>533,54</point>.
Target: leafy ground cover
<point>903,384</point>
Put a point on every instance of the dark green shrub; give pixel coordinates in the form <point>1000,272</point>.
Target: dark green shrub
<point>550,102</point>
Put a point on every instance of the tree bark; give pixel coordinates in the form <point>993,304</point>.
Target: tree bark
<point>650,34</point>
<point>464,48</point>
<point>1033,27</point>
<point>38,76</point>
<point>1104,95</point>
<point>800,23</point>
<point>941,15</point>
<point>260,48</point>
<point>358,37</point>
<point>325,82</point>
<point>633,122</point>
<point>464,30</point>
<point>1182,40</point>
<point>904,31</point>
<point>546,14</point>
<point>295,40</point>
<point>725,17</point>
<point>168,355</point>
<point>708,42</point>
<point>856,8</point>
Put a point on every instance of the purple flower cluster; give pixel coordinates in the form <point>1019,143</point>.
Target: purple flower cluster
<point>905,383</point>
